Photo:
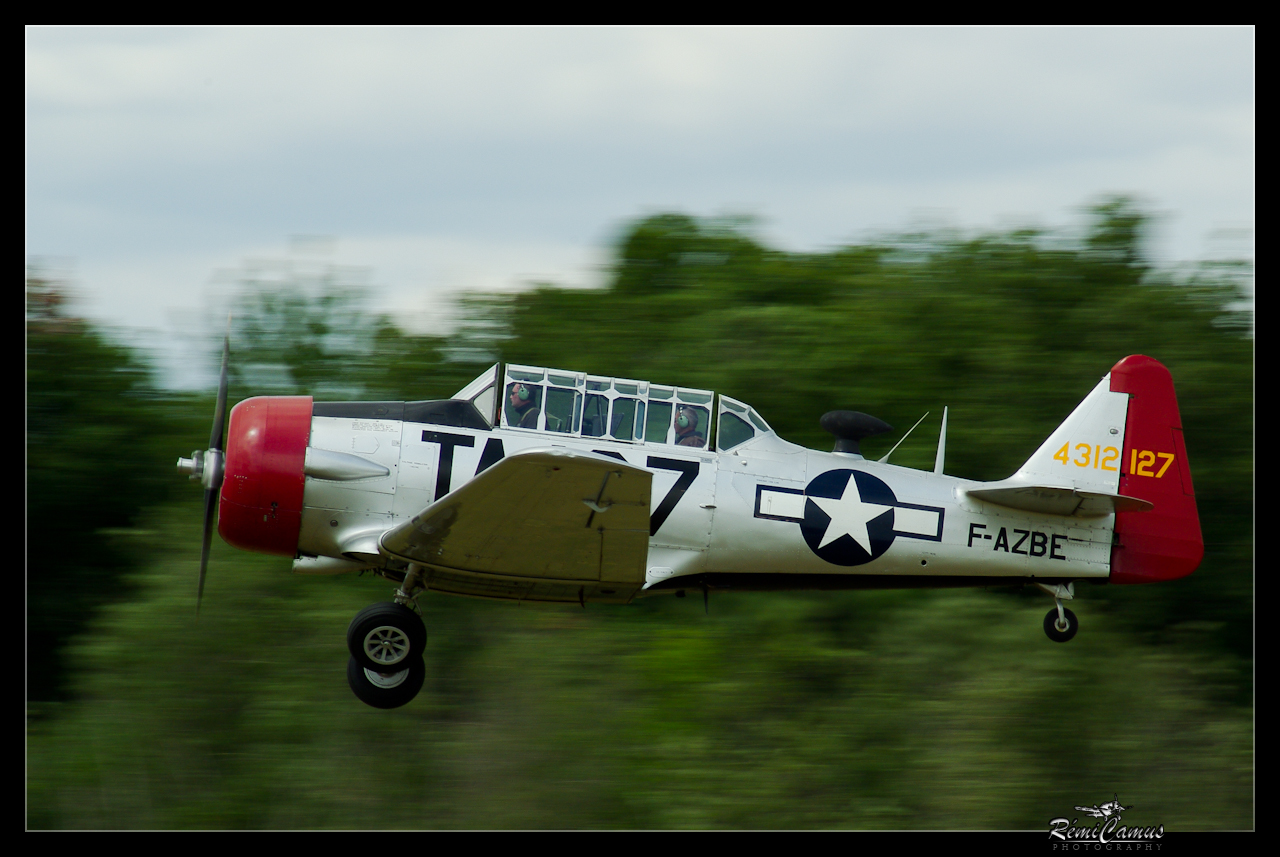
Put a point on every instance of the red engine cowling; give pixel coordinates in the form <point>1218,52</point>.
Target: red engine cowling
<point>261,499</point>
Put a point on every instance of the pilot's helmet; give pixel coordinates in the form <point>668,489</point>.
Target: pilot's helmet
<point>686,418</point>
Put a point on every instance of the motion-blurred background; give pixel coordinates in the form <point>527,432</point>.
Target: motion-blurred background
<point>885,220</point>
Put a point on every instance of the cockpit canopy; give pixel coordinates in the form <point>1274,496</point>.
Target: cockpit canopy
<point>535,399</point>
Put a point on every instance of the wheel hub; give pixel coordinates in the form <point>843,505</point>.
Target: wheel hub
<point>386,645</point>
<point>386,681</point>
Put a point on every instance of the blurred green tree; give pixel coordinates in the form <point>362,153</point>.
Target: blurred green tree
<point>96,427</point>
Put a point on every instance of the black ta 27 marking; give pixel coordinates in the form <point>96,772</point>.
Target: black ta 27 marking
<point>444,472</point>
<point>494,452</point>
<point>688,471</point>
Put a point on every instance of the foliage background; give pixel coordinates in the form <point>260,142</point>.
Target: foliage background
<point>884,710</point>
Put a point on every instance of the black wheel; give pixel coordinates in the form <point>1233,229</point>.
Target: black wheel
<point>383,636</point>
<point>1060,635</point>
<point>386,690</point>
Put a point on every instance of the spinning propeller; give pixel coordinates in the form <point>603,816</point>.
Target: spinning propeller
<point>207,466</point>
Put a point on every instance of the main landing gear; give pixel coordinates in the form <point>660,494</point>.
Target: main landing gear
<point>386,690</point>
<point>386,642</point>
<point>1060,623</point>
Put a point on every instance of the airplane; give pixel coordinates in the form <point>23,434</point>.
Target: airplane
<point>537,484</point>
<point>1106,810</point>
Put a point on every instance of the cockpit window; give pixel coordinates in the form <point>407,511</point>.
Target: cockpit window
<point>573,403</point>
<point>522,397</point>
<point>481,393</point>
<point>690,424</point>
<point>755,418</point>
<point>623,419</point>
<point>562,404</point>
<point>697,397</point>
<point>523,405</point>
<point>595,416</point>
<point>736,421</point>
<point>733,431</point>
<point>658,426</point>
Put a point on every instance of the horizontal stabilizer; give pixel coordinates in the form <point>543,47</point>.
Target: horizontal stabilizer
<point>1056,499</point>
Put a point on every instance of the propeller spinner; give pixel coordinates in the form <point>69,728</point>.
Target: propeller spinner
<point>207,466</point>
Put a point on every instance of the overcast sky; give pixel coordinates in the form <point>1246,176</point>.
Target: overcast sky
<point>455,159</point>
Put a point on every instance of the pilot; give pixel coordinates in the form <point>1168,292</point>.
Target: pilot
<point>524,408</point>
<point>687,433</point>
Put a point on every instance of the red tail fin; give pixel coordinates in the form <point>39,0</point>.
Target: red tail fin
<point>1163,543</point>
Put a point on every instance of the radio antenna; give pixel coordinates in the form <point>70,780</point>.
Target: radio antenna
<point>904,437</point>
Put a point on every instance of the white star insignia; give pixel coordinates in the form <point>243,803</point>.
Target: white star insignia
<point>849,516</point>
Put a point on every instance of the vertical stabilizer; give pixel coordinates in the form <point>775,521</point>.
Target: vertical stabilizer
<point>1083,454</point>
<point>1163,543</point>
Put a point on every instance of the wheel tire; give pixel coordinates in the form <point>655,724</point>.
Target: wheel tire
<point>386,690</point>
<point>383,637</point>
<point>1051,625</point>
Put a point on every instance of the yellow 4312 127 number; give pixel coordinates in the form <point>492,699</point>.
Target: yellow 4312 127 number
<point>1096,456</point>
<point>1141,461</point>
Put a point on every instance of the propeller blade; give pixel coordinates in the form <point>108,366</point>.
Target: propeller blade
<point>210,506</point>
<point>220,410</point>
<point>213,459</point>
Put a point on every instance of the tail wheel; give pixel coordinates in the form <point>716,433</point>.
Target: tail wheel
<point>1058,630</point>
<point>386,690</point>
<point>385,637</point>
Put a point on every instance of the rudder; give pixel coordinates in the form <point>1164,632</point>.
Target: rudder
<point>1165,542</point>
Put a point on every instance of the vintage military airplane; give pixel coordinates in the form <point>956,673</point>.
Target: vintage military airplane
<point>536,484</point>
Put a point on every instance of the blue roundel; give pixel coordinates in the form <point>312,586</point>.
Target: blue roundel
<point>848,517</point>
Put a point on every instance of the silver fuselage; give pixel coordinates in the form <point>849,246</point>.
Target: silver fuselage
<point>767,515</point>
